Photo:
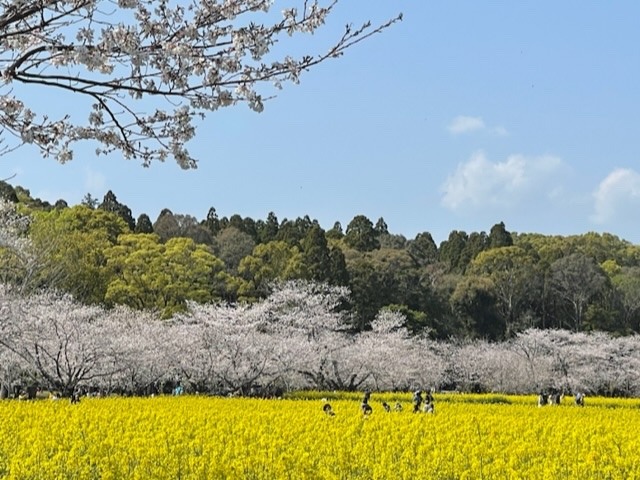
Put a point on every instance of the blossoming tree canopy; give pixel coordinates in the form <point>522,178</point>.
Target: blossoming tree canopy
<point>174,59</point>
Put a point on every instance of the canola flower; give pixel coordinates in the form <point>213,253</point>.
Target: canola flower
<point>192,437</point>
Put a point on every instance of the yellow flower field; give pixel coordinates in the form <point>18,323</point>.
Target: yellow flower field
<point>218,438</point>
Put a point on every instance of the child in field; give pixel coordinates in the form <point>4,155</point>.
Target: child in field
<point>326,408</point>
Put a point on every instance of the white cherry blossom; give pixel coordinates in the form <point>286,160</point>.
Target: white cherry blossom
<point>122,57</point>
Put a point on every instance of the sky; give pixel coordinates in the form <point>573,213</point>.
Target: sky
<point>464,115</point>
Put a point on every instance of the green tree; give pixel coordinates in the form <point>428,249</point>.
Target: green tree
<point>60,203</point>
<point>516,280</point>
<point>499,236</point>
<point>477,242</point>
<point>316,257</point>
<point>399,278</point>
<point>293,231</point>
<point>89,201</point>
<point>268,230</point>
<point>393,241</point>
<point>25,198</point>
<point>416,321</point>
<point>339,275</point>
<point>72,243</point>
<point>361,235</point>
<point>423,250</point>
<point>143,224</point>
<point>626,282</point>
<point>576,280</point>
<point>271,261</point>
<point>474,301</point>
<point>166,225</point>
<point>366,286</point>
<point>231,246</point>
<point>7,192</point>
<point>189,227</point>
<point>451,251</point>
<point>212,222</point>
<point>335,233</point>
<point>381,227</point>
<point>148,274</point>
<point>110,204</point>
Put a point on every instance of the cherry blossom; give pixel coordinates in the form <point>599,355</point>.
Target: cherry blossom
<point>175,60</point>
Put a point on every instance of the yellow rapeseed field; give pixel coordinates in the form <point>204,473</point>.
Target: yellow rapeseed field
<point>194,437</point>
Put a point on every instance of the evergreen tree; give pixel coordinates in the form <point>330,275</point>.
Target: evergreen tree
<point>361,235</point>
<point>315,255</point>
<point>144,225</point>
<point>212,222</point>
<point>7,192</point>
<point>89,201</point>
<point>451,250</point>
<point>499,236</point>
<point>336,232</point>
<point>339,275</point>
<point>268,230</point>
<point>423,249</point>
<point>166,226</point>
<point>110,204</point>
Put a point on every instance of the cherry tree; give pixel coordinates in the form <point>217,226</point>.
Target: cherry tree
<point>11,365</point>
<point>144,351</point>
<point>60,343</point>
<point>293,339</point>
<point>176,60</point>
<point>467,369</point>
<point>315,349</point>
<point>536,357</point>
<point>225,350</point>
<point>391,358</point>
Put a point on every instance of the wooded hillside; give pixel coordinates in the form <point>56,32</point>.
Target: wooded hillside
<point>473,285</point>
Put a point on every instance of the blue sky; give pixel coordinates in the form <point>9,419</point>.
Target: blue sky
<point>463,115</point>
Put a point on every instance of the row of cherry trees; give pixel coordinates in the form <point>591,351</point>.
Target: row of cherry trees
<point>294,339</point>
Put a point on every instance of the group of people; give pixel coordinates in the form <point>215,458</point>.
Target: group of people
<point>423,401</point>
<point>554,397</point>
<point>426,404</point>
<point>420,404</point>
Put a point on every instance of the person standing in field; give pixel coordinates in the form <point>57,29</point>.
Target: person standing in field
<point>429,406</point>
<point>365,407</point>
<point>417,401</point>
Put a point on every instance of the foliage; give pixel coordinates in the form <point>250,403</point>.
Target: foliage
<point>72,243</point>
<point>472,286</point>
<point>174,272</point>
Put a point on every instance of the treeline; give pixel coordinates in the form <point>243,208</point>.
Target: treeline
<point>293,340</point>
<point>473,285</point>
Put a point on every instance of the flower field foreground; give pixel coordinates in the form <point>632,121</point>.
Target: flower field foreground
<point>219,438</point>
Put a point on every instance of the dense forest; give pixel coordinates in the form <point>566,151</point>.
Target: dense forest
<point>473,285</point>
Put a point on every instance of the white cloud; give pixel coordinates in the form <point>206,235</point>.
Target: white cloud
<point>499,130</point>
<point>617,198</point>
<point>466,124</point>
<point>479,183</point>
